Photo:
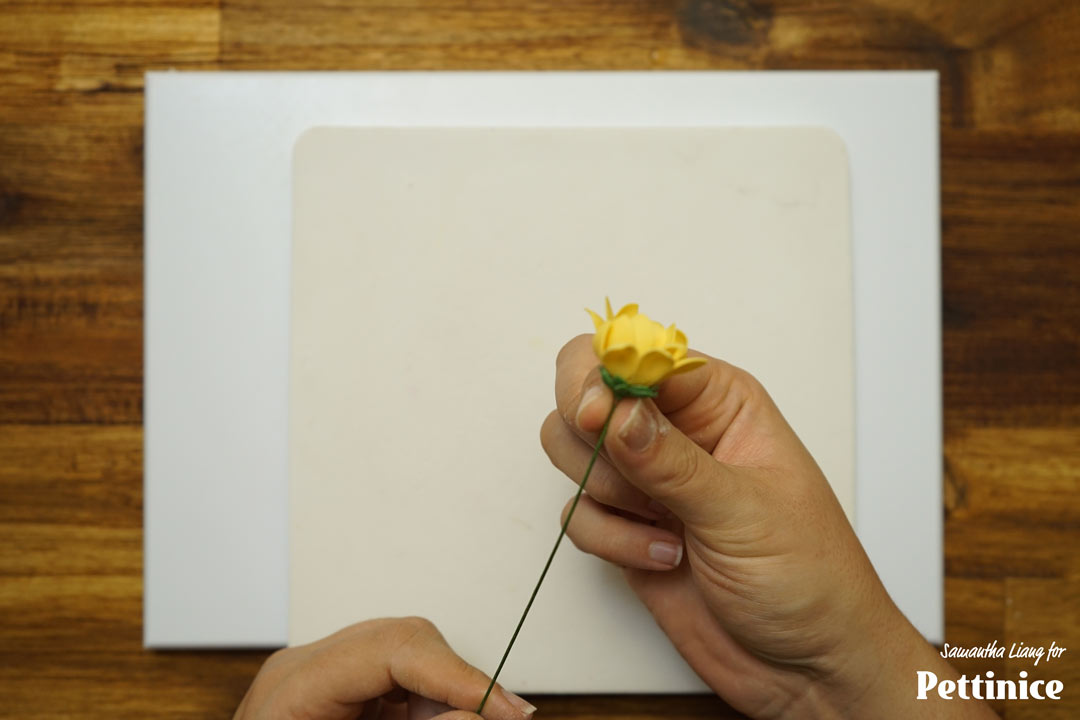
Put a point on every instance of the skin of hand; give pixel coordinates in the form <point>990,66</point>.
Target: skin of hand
<point>385,669</point>
<point>729,533</point>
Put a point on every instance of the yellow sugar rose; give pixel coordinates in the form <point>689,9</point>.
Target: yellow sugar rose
<point>638,350</point>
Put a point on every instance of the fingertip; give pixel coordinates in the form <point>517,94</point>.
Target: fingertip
<point>457,715</point>
<point>502,704</point>
<point>576,345</point>
<point>523,706</point>
<point>596,400</point>
<point>666,554</point>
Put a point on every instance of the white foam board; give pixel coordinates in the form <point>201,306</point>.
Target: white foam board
<point>218,219</point>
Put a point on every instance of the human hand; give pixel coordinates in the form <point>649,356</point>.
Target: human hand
<point>386,669</point>
<point>775,605</point>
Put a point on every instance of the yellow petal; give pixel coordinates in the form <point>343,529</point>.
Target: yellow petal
<point>621,361</point>
<point>643,333</point>
<point>680,338</point>
<point>677,351</point>
<point>652,368</point>
<point>597,321</point>
<point>638,349</point>
<point>658,336</point>
<point>600,338</point>
<point>687,364</point>
<point>622,332</point>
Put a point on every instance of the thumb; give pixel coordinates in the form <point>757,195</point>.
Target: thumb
<point>665,464</point>
<point>421,708</point>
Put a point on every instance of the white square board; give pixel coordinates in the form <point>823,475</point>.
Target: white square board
<point>435,275</point>
<point>218,220</point>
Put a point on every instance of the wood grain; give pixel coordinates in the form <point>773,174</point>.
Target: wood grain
<point>71,103</point>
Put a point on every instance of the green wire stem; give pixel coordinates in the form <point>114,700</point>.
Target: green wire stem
<point>566,523</point>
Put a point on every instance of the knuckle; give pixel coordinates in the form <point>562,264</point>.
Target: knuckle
<point>458,666</point>
<point>416,626</point>
<point>747,384</point>
<point>279,656</point>
<point>364,626</point>
<point>674,476</point>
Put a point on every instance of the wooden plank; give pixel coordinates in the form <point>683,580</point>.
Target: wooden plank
<point>71,291</point>
<point>954,38</point>
<point>102,46</point>
<point>1012,527</point>
<point>80,478</point>
<point>1039,613</point>
<point>1025,75</point>
<point>123,682</point>
<point>111,29</point>
<point>71,349</point>
<point>969,25</point>
<point>1010,275</point>
<point>587,35</point>
<point>1012,502</point>
<point>1000,473</point>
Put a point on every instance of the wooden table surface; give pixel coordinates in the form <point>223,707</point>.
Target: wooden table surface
<point>71,293</point>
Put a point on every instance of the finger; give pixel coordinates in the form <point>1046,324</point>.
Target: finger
<point>422,708</point>
<point>579,387</point>
<point>424,664</point>
<point>660,460</point>
<point>595,399</point>
<point>570,455</point>
<point>623,542</point>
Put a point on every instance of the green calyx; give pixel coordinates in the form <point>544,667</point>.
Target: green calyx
<point>623,389</point>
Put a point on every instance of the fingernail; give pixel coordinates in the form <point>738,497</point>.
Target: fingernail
<point>519,702</point>
<point>588,399</point>
<point>666,553</point>
<point>639,429</point>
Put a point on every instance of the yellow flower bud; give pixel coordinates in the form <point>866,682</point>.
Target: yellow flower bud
<point>637,349</point>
